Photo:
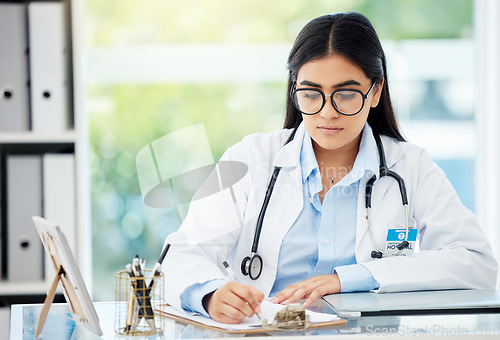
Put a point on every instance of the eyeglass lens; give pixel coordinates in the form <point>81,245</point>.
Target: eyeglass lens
<point>311,101</point>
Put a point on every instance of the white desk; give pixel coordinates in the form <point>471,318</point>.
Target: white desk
<point>24,319</point>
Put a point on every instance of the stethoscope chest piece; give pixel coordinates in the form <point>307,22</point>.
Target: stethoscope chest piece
<point>252,266</point>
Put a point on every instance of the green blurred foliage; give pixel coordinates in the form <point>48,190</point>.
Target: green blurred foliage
<point>124,118</point>
<point>115,22</point>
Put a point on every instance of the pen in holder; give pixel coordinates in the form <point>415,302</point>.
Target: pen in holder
<point>136,299</point>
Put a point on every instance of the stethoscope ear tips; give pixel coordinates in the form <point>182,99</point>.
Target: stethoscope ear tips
<point>400,247</point>
<point>403,245</point>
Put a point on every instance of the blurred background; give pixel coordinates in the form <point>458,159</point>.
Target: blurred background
<point>156,66</point>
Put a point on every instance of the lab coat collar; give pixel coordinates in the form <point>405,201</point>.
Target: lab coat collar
<point>368,147</point>
<point>393,151</point>
<point>289,155</point>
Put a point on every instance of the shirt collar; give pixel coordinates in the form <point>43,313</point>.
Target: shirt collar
<point>308,160</point>
<point>366,163</point>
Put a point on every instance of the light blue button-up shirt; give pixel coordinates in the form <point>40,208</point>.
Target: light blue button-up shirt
<point>323,238</point>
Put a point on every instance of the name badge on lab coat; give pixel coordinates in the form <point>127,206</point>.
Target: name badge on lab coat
<point>396,236</point>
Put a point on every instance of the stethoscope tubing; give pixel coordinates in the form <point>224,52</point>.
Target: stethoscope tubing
<point>384,171</point>
<point>246,264</point>
<point>260,219</point>
<point>269,191</point>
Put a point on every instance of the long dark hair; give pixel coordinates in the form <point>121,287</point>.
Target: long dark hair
<point>352,36</point>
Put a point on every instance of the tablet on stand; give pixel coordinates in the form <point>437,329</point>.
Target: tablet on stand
<point>67,271</point>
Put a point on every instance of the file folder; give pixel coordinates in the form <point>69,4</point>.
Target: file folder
<point>48,67</point>
<point>14,88</point>
<point>59,202</point>
<point>2,223</point>
<point>24,199</point>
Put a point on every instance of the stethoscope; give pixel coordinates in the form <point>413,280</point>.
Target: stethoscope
<point>252,265</point>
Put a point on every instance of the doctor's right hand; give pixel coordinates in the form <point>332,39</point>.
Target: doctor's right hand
<point>234,301</point>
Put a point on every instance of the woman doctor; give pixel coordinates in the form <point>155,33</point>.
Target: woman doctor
<point>316,238</point>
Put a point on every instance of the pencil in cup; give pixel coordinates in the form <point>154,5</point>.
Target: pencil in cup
<point>126,296</point>
<point>143,298</point>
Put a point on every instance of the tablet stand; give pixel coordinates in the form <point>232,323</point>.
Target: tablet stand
<point>71,296</point>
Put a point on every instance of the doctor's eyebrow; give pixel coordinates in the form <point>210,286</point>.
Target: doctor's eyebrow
<point>344,83</point>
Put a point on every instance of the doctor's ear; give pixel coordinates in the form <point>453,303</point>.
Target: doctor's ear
<point>377,92</point>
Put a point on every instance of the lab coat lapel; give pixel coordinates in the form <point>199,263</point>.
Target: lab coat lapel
<point>393,153</point>
<point>284,207</point>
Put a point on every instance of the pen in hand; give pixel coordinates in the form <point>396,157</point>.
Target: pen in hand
<point>233,277</point>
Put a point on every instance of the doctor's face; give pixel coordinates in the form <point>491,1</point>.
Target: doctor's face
<point>328,128</point>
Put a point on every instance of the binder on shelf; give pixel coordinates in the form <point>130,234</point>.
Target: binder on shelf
<point>59,203</point>
<point>14,88</point>
<point>48,67</point>
<point>24,199</point>
<point>2,224</point>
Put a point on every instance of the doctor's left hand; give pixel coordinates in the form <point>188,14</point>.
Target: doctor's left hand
<point>310,289</point>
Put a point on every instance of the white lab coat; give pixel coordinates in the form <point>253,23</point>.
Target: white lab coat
<point>454,252</point>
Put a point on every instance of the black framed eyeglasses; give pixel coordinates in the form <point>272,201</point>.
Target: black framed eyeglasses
<point>348,102</point>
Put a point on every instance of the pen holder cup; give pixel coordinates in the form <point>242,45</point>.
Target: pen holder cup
<point>136,300</point>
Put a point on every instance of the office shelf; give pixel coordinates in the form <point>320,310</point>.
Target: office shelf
<point>30,137</point>
<point>69,138</point>
<point>18,288</point>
